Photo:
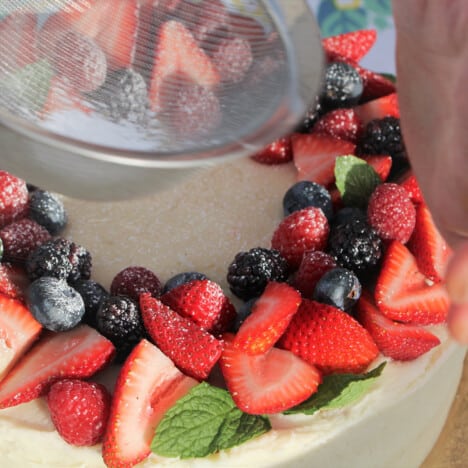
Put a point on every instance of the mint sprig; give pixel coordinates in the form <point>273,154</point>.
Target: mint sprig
<point>337,391</point>
<point>205,421</point>
<point>355,179</point>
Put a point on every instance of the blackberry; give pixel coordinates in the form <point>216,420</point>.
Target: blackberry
<point>93,294</point>
<point>249,272</point>
<point>182,278</point>
<point>61,259</point>
<point>355,246</point>
<point>383,136</point>
<point>47,210</point>
<point>306,193</point>
<point>342,86</point>
<point>118,319</point>
<point>135,280</point>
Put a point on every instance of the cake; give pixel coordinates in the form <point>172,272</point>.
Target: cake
<point>392,418</point>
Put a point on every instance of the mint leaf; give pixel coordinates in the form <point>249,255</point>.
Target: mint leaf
<point>355,179</point>
<point>203,422</point>
<point>338,390</point>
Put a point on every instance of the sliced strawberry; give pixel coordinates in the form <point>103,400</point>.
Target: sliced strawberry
<point>381,164</point>
<point>375,84</point>
<point>428,246</point>
<point>315,155</point>
<point>400,341</point>
<point>267,383</point>
<point>411,185</point>
<point>351,46</point>
<point>278,152</point>
<point>204,302</point>
<point>78,353</point>
<point>18,330</point>
<point>404,294</point>
<point>329,338</point>
<point>178,55</point>
<point>13,280</point>
<point>378,108</point>
<point>147,386</point>
<point>270,317</point>
<point>340,123</point>
<point>193,350</point>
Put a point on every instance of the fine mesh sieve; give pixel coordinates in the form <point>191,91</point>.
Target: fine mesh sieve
<point>113,98</point>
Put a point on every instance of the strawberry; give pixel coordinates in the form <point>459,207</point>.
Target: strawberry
<point>278,152</point>
<point>13,280</point>
<point>378,108</point>
<point>375,84</point>
<point>210,16</point>
<point>410,184</point>
<point>381,165</point>
<point>78,353</point>
<point>404,294</point>
<point>79,410</point>
<point>315,155</point>
<point>18,330</point>
<point>299,232</point>
<point>193,350</point>
<point>233,58</point>
<point>428,246</point>
<point>329,338</point>
<point>147,386</point>
<point>340,123</point>
<point>399,341</point>
<point>177,55</point>
<point>351,46</point>
<point>267,383</point>
<point>13,198</point>
<point>271,314</point>
<point>204,302</point>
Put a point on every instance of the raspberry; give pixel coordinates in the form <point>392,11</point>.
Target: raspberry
<point>79,410</point>
<point>21,237</point>
<point>391,213</point>
<point>303,230</point>
<point>340,123</point>
<point>233,58</point>
<point>135,280</point>
<point>13,198</point>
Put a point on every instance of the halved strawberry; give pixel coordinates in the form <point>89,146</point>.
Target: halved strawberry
<point>329,338</point>
<point>315,155</point>
<point>270,317</point>
<point>411,185</point>
<point>18,330</point>
<point>375,84</point>
<point>378,108</point>
<point>340,123</point>
<point>78,353</point>
<point>278,152</point>
<point>178,56</point>
<point>381,164</point>
<point>404,294</point>
<point>351,46</point>
<point>147,386</point>
<point>193,350</point>
<point>267,383</point>
<point>428,246</point>
<point>400,341</point>
<point>13,280</point>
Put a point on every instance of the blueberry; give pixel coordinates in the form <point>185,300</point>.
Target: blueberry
<point>338,287</point>
<point>242,313</point>
<point>347,214</point>
<point>93,294</point>
<point>342,87</point>
<point>306,193</point>
<point>55,304</point>
<point>47,210</point>
<point>182,278</point>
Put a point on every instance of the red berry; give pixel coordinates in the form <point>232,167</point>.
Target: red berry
<point>79,410</point>
<point>13,198</point>
<point>391,212</point>
<point>135,280</point>
<point>301,231</point>
<point>278,152</point>
<point>233,58</point>
<point>351,46</point>
<point>340,123</point>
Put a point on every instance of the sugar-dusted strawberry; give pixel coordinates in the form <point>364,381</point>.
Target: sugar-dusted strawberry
<point>391,212</point>
<point>301,231</point>
<point>193,350</point>
<point>271,314</point>
<point>18,330</point>
<point>351,46</point>
<point>135,280</point>
<point>399,341</point>
<point>204,302</point>
<point>210,17</point>
<point>147,386</point>
<point>378,108</point>
<point>267,383</point>
<point>410,184</point>
<point>340,123</point>
<point>177,55</point>
<point>314,265</point>
<point>329,338</point>
<point>78,353</point>
<point>13,198</point>
<point>381,164</point>
<point>430,249</point>
<point>79,410</point>
<point>404,294</point>
<point>13,280</point>
<point>233,58</point>
<point>278,152</point>
<point>21,237</point>
<point>315,155</point>
<point>375,84</point>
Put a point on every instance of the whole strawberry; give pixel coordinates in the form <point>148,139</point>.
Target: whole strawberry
<point>79,410</point>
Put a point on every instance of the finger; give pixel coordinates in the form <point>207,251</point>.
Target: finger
<point>457,275</point>
<point>458,322</point>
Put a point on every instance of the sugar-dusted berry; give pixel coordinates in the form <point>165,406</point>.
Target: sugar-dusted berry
<point>13,198</point>
<point>306,193</point>
<point>135,280</point>
<point>47,209</point>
